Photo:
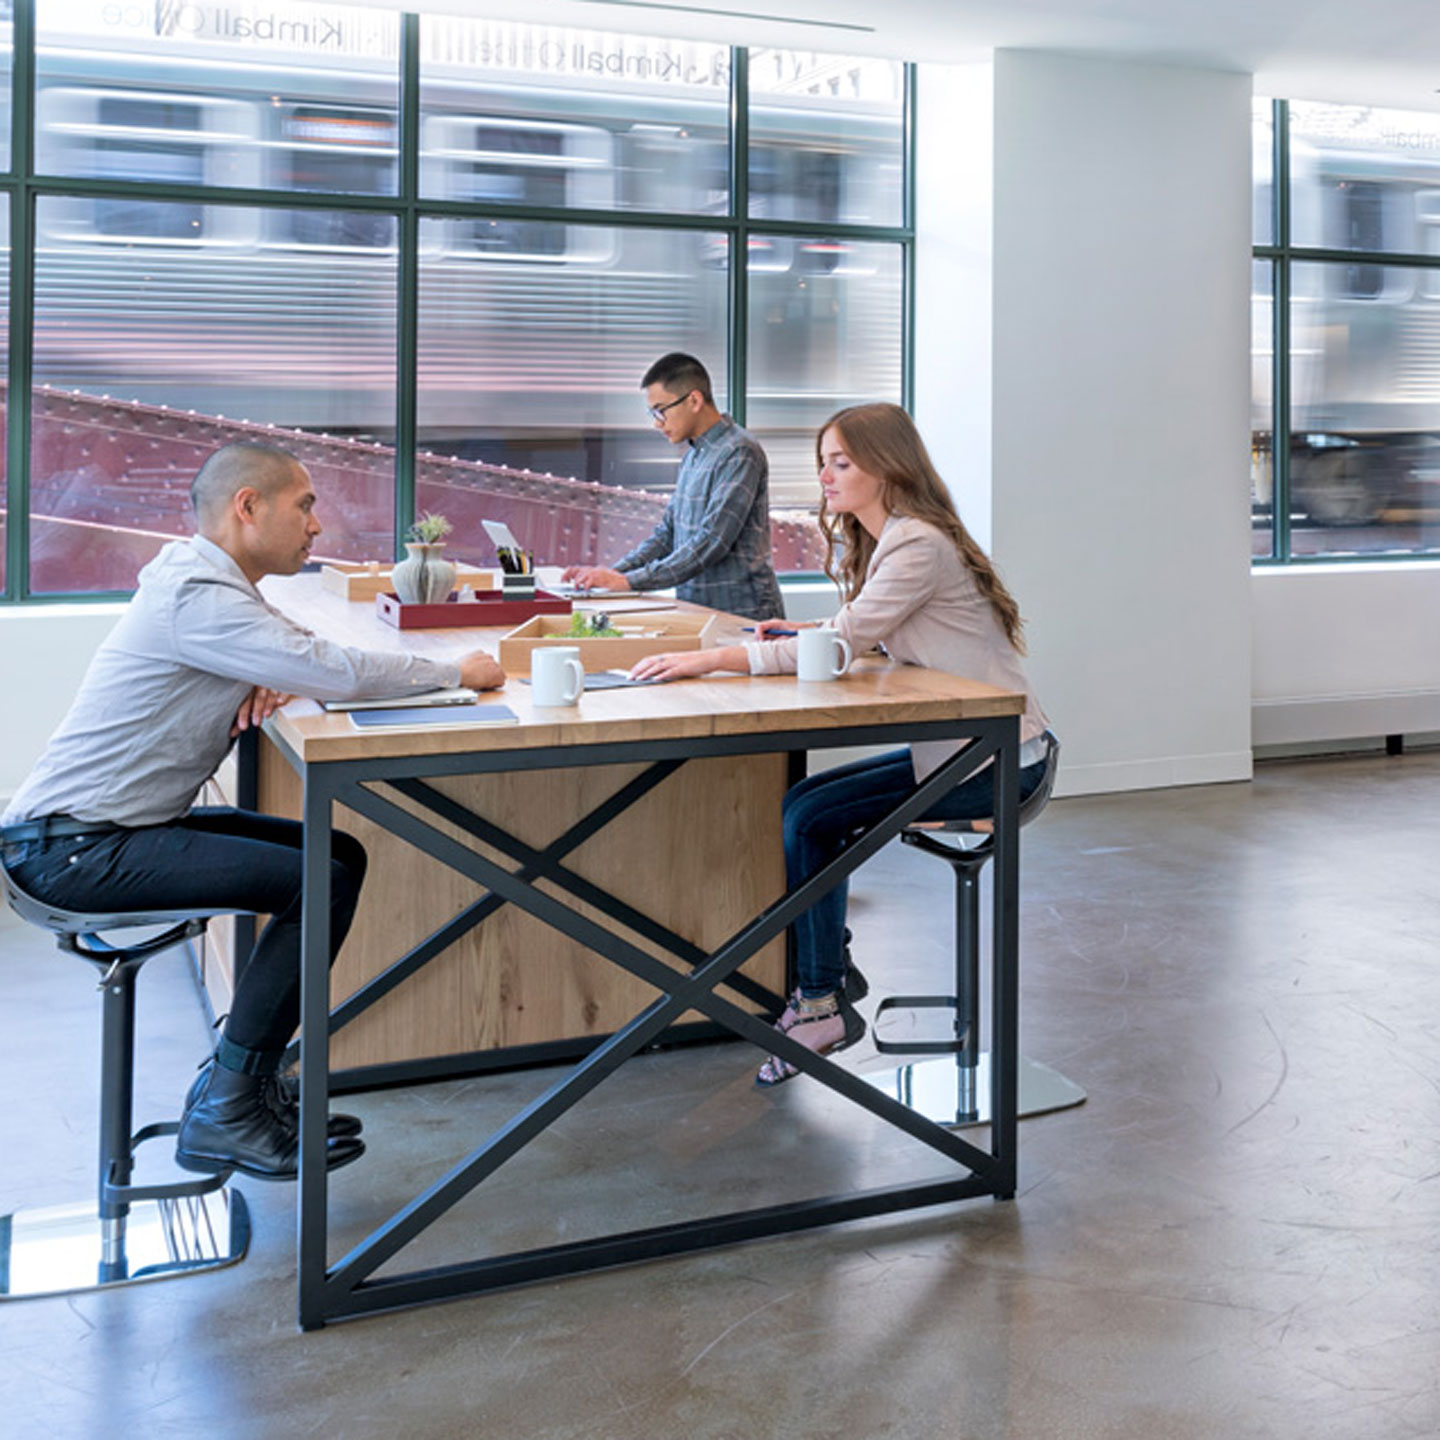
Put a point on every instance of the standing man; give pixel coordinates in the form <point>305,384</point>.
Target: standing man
<point>104,821</point>
<point>713,542</point>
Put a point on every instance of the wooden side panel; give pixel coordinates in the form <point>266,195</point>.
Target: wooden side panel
<point>701,854</point>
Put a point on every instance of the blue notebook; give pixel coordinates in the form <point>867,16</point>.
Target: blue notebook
<point>456,716</point>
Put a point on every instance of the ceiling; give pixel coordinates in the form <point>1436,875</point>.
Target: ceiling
<point>1381,52</point>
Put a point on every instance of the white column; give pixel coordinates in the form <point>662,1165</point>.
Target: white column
<point>1121,408</point>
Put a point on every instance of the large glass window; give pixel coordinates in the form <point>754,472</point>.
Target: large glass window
<point>822,334</point>
<point>1347,367</point>
<point>541,115</point>
<point>4,384</point>
<point>234,234</point>
<point>826,138</point>
<point>1262,409</point>
<point>524,385</point>
<point>6,53</point>
<point>141,369</point>
<point>275,97</point>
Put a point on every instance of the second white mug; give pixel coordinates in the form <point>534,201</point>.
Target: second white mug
<point>821,654</point>
<point>557,675</point>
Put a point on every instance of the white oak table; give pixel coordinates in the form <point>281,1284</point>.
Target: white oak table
<point>401,781</point>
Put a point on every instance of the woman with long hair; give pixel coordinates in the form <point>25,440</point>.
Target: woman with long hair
<point>916,584</point>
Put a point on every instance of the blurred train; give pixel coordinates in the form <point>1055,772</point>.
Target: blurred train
<point>1364,337</point>
<point>532,334</point>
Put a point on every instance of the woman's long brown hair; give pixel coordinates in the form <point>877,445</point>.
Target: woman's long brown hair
<point>883,441</point>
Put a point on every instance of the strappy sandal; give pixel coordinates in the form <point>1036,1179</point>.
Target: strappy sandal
<point>855,987</point>
<point>823,1031</point>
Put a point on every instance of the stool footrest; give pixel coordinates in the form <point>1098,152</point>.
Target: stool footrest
<point>166,1190</point>
<point>954,1046</point>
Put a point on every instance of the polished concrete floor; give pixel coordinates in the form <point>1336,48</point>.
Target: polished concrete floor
<point>1237,1235</point>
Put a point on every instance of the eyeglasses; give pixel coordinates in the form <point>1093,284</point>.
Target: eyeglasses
<point>657,412</point>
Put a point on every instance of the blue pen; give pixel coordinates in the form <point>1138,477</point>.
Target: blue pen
<point>750,630</point>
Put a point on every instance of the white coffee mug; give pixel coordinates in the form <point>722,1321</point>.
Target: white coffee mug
<point>557,675</point>
<point>821,654</point>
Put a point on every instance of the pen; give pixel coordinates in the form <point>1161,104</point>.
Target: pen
<point>750,630</point>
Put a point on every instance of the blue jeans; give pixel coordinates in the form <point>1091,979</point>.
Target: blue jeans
<point>823,811</point>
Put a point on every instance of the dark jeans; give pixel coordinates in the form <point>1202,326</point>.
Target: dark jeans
<point>210,859</point>
<point>823,811</point>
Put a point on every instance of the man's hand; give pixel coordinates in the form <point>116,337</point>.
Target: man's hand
<point>257,707</point>
<point>595,577</point>
<point>481,671</point>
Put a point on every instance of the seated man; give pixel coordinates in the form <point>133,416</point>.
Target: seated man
<point>713,542</point>
<point>104,821</point>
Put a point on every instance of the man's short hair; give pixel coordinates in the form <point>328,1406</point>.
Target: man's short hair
<point>679,374</point>
<point>266,468</point>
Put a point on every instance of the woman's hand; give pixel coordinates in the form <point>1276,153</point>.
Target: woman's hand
<point>257,707</point>
<point>686,664</point>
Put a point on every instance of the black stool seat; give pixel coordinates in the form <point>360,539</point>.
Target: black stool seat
<point>133,1231</point>
<point>967,846</point>
<point>967,860</point>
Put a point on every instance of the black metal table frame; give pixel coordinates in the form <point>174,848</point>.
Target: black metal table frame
<point>350,1287</point>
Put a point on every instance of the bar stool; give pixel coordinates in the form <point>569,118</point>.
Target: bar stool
<point>954,1088</point>
<point>132,1232</point>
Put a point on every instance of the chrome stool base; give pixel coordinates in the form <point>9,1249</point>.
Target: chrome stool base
<point>949,1091</point>
<point>64,1249</point>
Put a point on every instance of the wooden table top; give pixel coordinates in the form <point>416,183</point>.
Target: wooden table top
<point>876,691</point>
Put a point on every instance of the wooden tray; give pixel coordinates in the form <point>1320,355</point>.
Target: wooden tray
<point>362,582</point>
<point>653,635</point>
<point>489,607</point>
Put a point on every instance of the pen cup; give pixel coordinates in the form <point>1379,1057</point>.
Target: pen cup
<point>557,675</point>
<point>821,654</point>
<point>518,587</point>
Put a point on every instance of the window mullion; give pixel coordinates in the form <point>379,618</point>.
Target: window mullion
<point>1280,327</point>
<point>740,235</point>
<point>408,281</point>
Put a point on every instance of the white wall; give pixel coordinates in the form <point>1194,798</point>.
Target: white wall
<point>1121,408</point>
<point>1346,651</point>
<point>954,222</point>
<point>43,654</point>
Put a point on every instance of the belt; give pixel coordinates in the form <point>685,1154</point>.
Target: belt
<point>54,827</point>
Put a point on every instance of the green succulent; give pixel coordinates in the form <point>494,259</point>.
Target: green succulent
<point>430,529</point>
<point>591,627</point>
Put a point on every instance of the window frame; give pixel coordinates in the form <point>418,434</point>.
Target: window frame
<point>23,185</point>
<point>1283,255</point>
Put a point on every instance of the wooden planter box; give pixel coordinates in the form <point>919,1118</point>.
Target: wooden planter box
<point>487,608</point>
<point>366,581</point>
<point>641,635</point>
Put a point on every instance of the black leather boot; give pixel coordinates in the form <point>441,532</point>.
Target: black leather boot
<point>231,1125</point>
<point>285,1093</point>
<point>287,1090</point>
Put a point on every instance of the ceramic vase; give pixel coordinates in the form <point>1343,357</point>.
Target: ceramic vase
<point>424,577</point>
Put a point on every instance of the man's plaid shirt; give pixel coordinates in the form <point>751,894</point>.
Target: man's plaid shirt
<point>713,542</point>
